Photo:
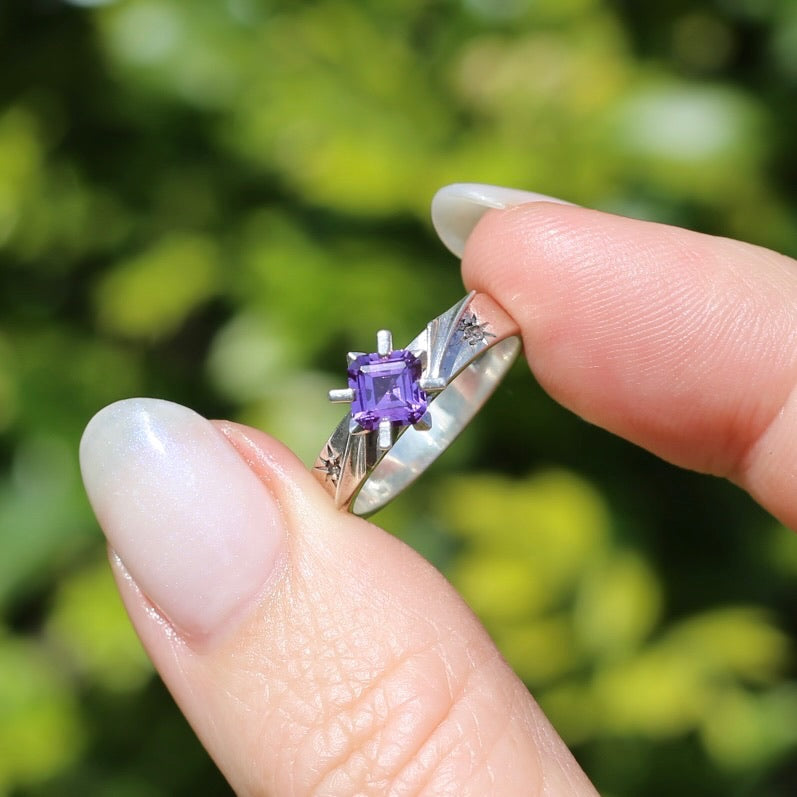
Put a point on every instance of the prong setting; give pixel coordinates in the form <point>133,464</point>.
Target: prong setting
<point>384,342</point>
<point>385,434</point>
<point>425,424</point>
<point>385,391</point>
<point>342,396</point>
<point>355,428</point>
<point>432,384</point>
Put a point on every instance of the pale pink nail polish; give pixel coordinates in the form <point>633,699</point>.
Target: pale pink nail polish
<point>196,529</point>
<point>457,208</point>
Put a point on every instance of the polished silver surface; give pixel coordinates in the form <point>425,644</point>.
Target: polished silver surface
<point>384,342</point>
<point>465,352</point>
<point>343,396</point>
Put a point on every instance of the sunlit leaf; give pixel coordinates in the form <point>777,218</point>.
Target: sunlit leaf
<point>744,730</point>
<point>618,604</point>
<point>89,624</point>
<point>152,293</point>
<point>659,693</point>
<point>741,641</point>
<point>41,730</point>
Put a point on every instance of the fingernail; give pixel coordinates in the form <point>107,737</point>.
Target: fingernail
<point>457,208</point>
<point>195,528</point>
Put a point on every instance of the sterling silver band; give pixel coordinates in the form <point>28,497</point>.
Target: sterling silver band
<point>465,352</point>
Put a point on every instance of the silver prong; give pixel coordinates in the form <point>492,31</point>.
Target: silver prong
<point>424,424</point>
<point>352,356</point>
<point>385,439</point>
<point>342,396</point>
<point>384,342</point>
<point>431,384</point>
<point>355,428</point>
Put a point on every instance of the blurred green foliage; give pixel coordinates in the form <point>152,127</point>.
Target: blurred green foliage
<point>212,201</point>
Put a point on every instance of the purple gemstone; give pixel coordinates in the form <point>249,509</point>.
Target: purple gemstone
<point>387,387</point>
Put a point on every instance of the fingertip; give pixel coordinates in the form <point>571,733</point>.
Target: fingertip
<point>678,341</point>
<point>458,208</point>
<point>191,523</point>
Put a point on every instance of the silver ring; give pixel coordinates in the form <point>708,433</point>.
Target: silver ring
<point>408,405</point>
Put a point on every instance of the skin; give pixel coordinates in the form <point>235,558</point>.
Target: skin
<point>342,676</point>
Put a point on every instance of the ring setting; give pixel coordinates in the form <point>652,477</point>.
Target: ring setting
<point>407,405</point>
<point>386,391</point>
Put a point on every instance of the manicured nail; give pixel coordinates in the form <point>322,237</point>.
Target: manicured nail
<point>195,528</point>
<point>457,208</point>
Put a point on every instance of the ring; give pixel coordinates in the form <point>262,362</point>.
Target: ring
<point>408,405</point>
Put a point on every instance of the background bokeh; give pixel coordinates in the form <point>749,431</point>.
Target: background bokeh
<point>212,201</point>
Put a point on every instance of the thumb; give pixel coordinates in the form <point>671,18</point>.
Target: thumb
<point>311,651</point>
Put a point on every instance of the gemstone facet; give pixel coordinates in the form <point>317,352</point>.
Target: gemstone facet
<point>386,388</point>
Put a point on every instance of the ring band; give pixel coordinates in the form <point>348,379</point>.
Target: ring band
<point>408,405</point>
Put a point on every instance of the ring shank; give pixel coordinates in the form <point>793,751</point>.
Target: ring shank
<point>465,352</point>
<point>451,411</point>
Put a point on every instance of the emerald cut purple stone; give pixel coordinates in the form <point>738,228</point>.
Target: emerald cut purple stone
<point>386,387</point>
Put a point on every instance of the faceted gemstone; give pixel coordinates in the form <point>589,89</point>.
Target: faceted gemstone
<point>386,387</point>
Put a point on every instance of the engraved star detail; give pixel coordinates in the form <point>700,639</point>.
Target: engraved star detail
<point>472,331</point>
<point>330,465</point>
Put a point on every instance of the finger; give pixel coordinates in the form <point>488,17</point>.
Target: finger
<point>312,652</point>
<point>457,208</point>
<point>684,343</point>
